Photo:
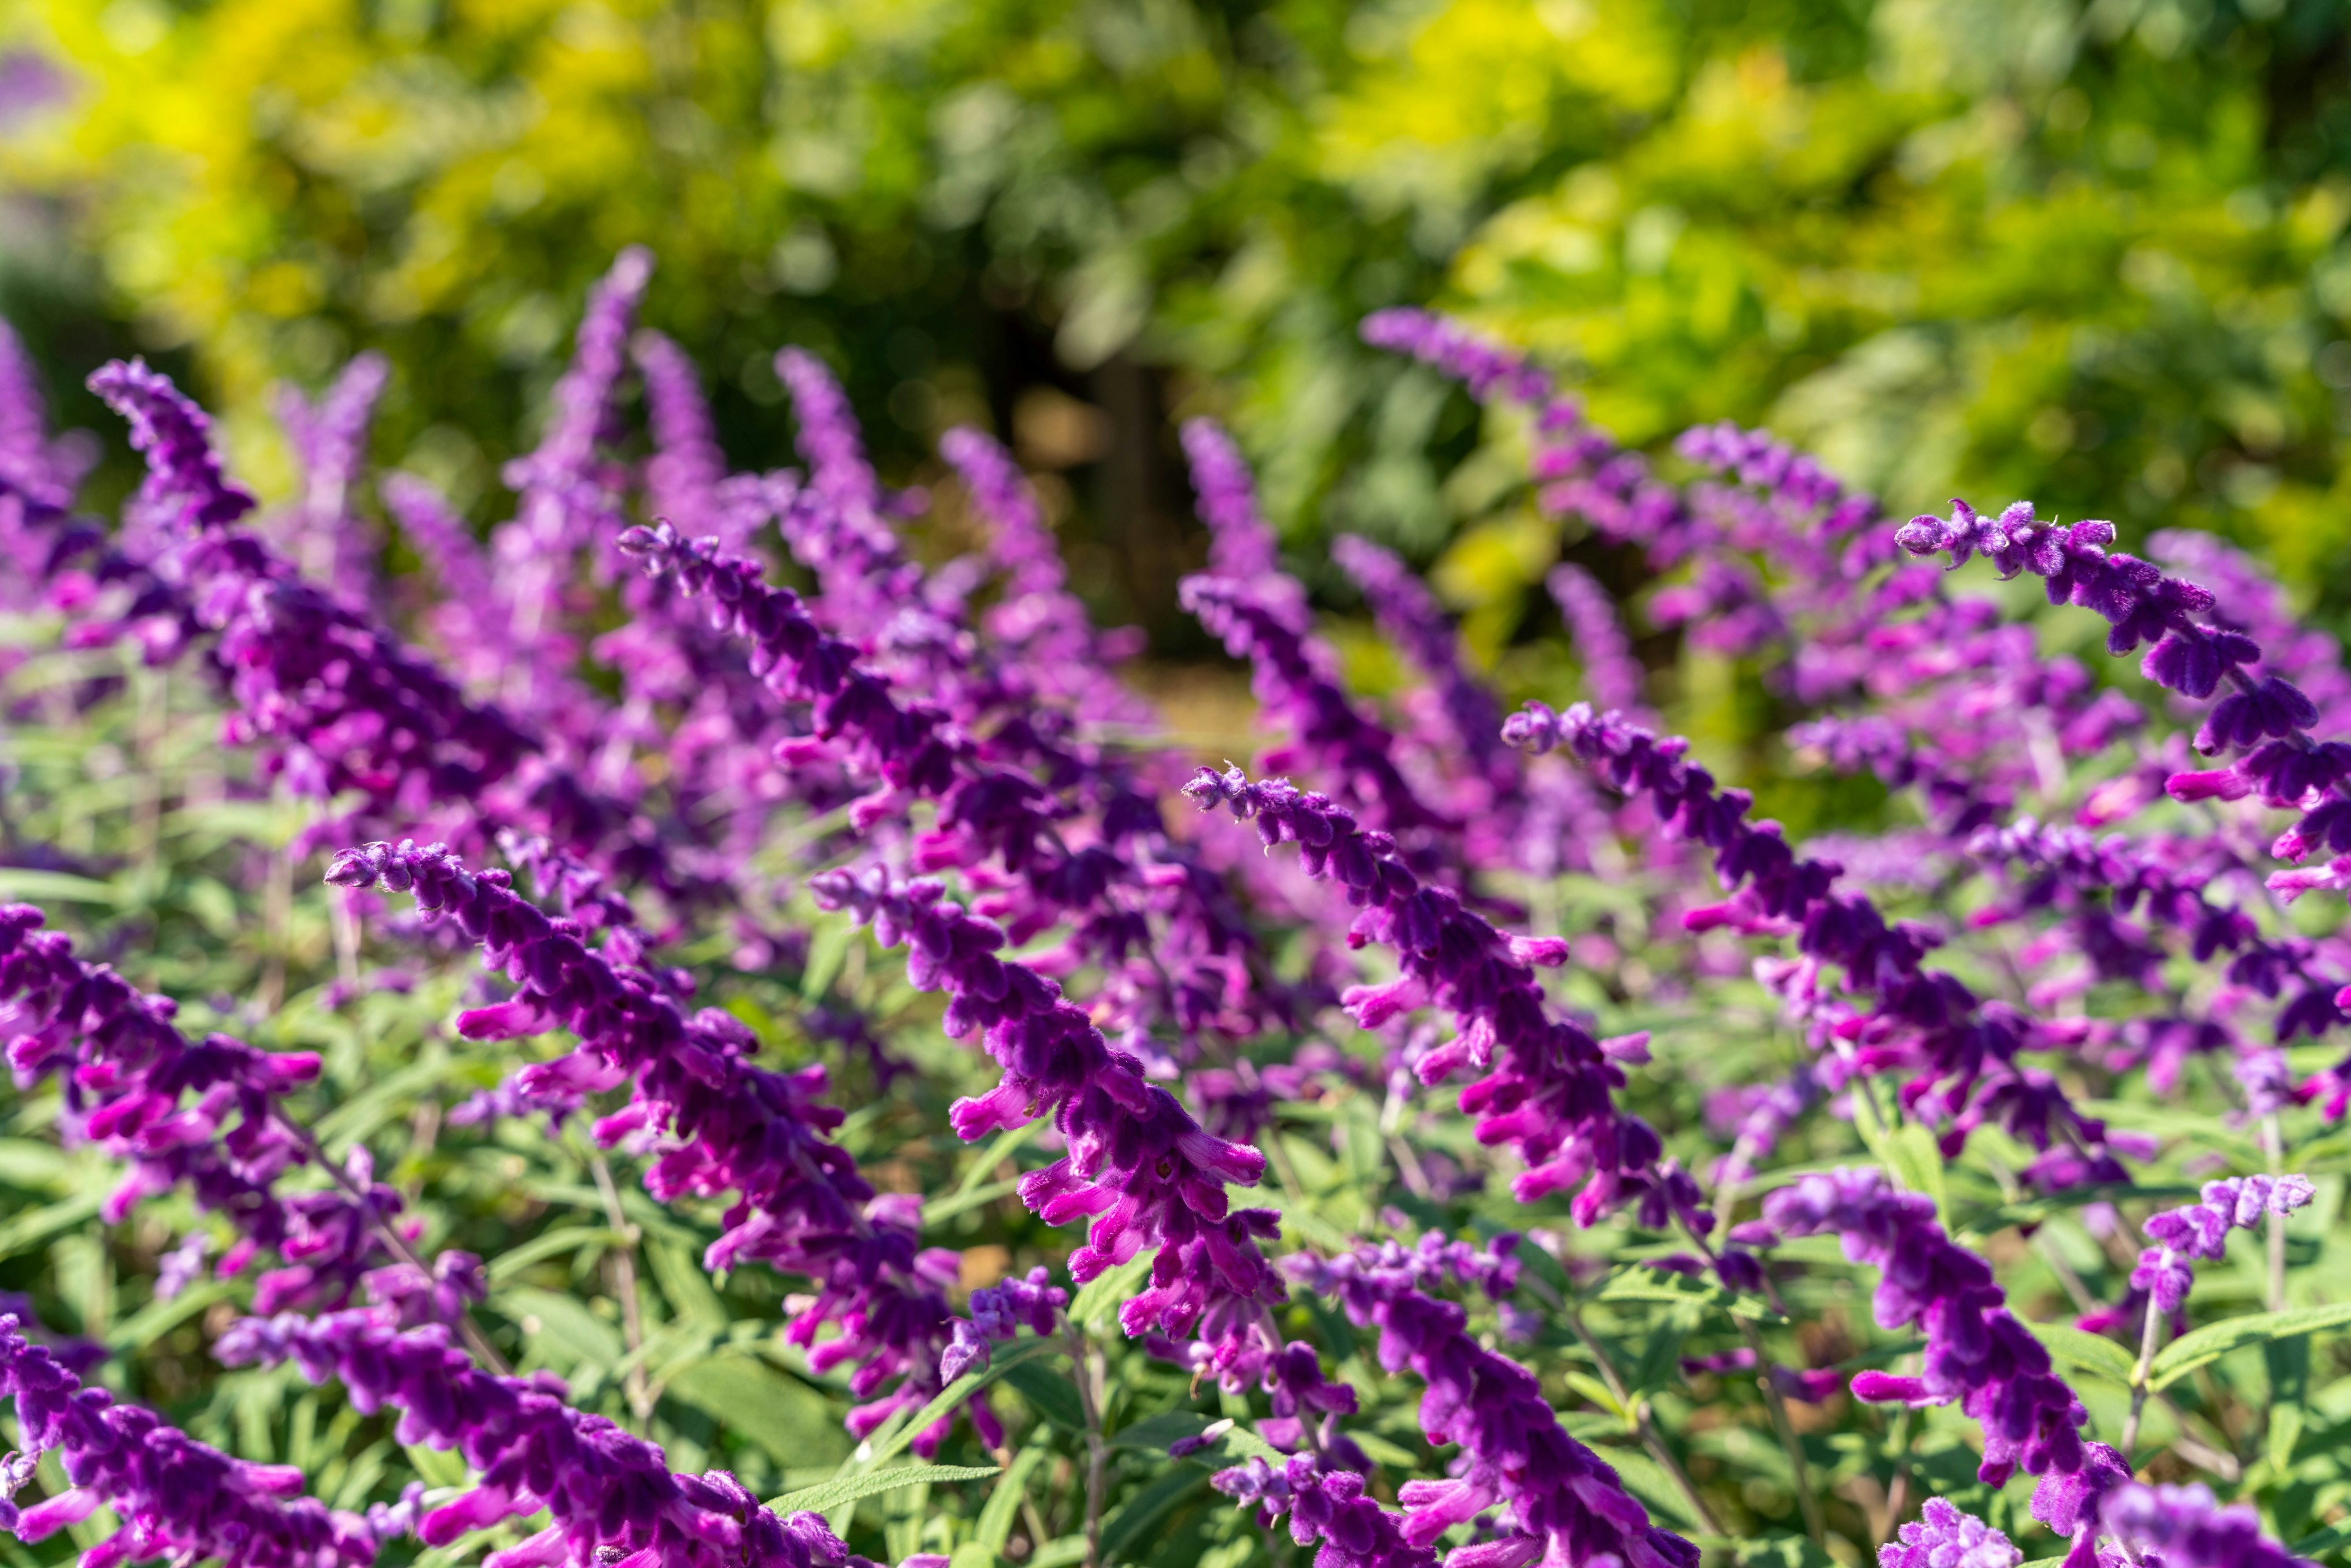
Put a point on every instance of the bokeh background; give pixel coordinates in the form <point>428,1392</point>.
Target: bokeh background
<point>2094,254</point>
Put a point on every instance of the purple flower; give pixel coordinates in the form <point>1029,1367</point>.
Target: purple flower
<point>175,1497</point>
<point>998,1313</point>
<point>2200,1231</point>
<point>1977,1353</point>
<point>1548,1086</point>
<point>2189,1530</point>
<point>728,1125</point>
<point>613,1497</point>
<point>1943,1537</point>
<point>206,1112</point>
<point>329,542</point>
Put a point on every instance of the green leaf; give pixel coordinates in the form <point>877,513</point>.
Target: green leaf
<point>550,1244</point>
<point>158,1318</point>
<point>1660,1362</point>
<point>828,946</point>
<point>746,1397</point>
<point>1007,1143</point>
<point>2213,1340</point>
<point>1054,1396</point>
<point>994,1526</point>
<point>2072,1347</point>
<point>1107,1291</point>
<point>832,1494</point>
<point>960,1202</point>
<point>892,1439</point>
<point>20,885</point>
<point>436,1467</point>
<point>1143,1510</point>
<point>2034,1210</point>
<point>34,1226</point>
<point>1642,1283</point>
<point>1915,1161</point>
<point>1652,1483</point>
<point>1233,1445</point>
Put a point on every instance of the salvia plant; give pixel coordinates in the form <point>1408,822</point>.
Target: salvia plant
<point>700,1029</point>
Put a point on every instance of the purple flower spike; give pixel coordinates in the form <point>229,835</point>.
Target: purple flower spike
<point>1562,1503</point>
<point>206,1113</point>
<point>728,1125</point>
<point>1616,679</point>
<point>1961,1049</point>
<point>1977,1352</point>
<point>1241,543</point>
<point>1943,1537</point>
<point>176,1497</point>
<point>2189,1530</point>
<point>1548,1090</point>
<point>2199,1232</point>
<point>613,1497</point>
<point>327,539</point>
<point>1329,1508</point>
<point>1465,718</point>
<point>184,492</point>
<point>683,475</point>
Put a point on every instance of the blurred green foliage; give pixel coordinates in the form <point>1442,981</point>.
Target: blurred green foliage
<point>2090,253</point>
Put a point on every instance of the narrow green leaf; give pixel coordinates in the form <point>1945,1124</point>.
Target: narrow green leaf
<point>19,885</point>
<point>887,1444</point>
<point>867,1483</point>
<point>971,1198</point>
<point>2213,1340</point>
<point>548,1244</point>
<point>1007,1143</point>
<point>156,1319</point>
<point>828,946</point>
<point>1652,1483</point>
<point>2072,1347</point>
<point>1144,1508</point>
<point>994,1526</point>
<point>746,1397</point>
<point>32,1227</point>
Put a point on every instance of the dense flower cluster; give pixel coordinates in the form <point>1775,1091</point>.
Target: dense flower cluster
<point>175,1497</point>
<point>617,695</point>
<point>612,1495</point>
<point>208,1113</point>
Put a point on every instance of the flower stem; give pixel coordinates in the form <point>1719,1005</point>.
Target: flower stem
<point>2148,1341</point>
<point>1088,1370</point>
<point>623,1261</point>
<point>2274,1146</point>
<point>1651,1438</point>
